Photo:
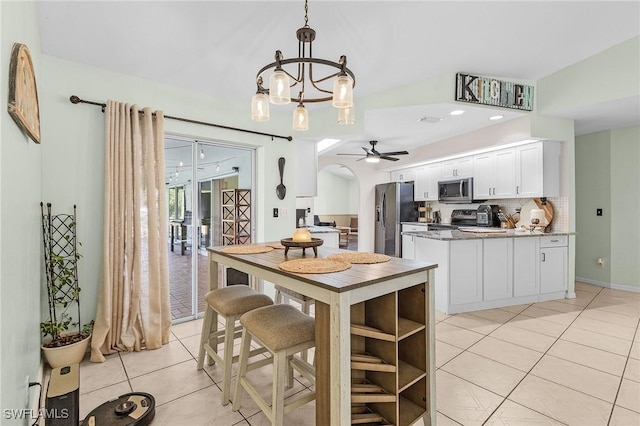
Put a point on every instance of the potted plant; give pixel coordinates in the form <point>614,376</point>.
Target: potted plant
<point>60,345</point>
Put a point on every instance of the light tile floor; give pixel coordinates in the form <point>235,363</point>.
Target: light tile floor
<point>574,362</point>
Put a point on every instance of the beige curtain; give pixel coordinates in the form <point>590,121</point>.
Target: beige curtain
<point>133,309</point>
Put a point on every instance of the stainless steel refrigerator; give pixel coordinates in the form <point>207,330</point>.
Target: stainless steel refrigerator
<point>394,205</point>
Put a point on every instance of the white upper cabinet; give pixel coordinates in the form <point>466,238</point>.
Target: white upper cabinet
<point>494,174</point>
<point>457,167</point>
<point>404,175</point>
<point>426,182</point>
<point>538,170</point>
<point>306,169</point>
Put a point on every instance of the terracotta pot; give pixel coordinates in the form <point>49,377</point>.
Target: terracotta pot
<point>65,355</point>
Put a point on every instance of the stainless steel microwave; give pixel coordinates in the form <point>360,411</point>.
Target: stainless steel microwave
<point>458,191</point>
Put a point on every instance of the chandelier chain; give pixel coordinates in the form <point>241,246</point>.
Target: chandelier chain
<point>306,13</point>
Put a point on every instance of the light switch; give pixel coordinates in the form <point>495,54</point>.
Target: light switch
<point>598,212</point>
<point>275,212</point>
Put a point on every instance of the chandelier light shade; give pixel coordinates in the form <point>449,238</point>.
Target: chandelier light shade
<point>342,92</point>
<point>280,88</point>
<point>346,116</point>
<point>260,107</point>
<point>300,118</point>
<point>310,76</point>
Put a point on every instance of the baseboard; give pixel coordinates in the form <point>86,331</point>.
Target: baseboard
<point>609,285</point>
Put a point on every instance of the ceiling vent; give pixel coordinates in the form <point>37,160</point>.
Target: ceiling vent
<point>429,119</point>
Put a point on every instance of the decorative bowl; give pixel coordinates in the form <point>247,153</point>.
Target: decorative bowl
<point>314,243</point>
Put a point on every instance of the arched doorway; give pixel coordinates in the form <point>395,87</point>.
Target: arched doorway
<point>338,201</point>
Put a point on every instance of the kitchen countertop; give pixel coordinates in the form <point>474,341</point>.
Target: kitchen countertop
<point>450,235</point>
<point>321,229</point>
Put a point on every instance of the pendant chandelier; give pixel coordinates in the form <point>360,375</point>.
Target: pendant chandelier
<point>303,80</point>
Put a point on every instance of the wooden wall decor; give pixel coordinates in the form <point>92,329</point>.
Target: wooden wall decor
<point>23,94</point>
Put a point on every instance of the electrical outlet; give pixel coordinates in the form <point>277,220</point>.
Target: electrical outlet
<point>275,212</point>
<point>600,262</point>
<point>598,212</point>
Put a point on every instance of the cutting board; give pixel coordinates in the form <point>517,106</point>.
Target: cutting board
<point>536,203</point>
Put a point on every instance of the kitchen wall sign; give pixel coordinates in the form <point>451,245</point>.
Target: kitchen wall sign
<point>490,91</point>
<point>23,94</point>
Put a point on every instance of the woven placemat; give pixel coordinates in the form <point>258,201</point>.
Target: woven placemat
<point>277,246</point>
<point>314,266</point>
<point>360,257</point>
<point>249,249</point>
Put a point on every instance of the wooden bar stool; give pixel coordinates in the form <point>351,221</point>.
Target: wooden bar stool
<point>229,302</point>
<point>283,331</point>
<point>284,295</point>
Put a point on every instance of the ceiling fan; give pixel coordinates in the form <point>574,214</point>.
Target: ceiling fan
<point>373,156</point>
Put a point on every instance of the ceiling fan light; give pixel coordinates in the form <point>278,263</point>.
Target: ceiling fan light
<point>300,118</point>
<point>342,92</point>
<point>372,159</point>
<point>260,107</point>
<point>279,88</point>
<point>346,115</point>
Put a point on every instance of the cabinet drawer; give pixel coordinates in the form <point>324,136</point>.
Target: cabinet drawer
<point>554,241</point>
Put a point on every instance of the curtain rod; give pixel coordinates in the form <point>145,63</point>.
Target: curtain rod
<point>76,100</point>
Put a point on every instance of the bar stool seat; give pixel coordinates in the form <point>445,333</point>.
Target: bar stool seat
<point>285,294</point>
<point>283,331</point>
<point>229,302</point>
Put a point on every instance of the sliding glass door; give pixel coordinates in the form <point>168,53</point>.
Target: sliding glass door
<point>195,174</point>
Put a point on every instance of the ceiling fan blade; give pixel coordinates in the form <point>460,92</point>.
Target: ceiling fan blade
<point>384,157</point>
<point>367,150</point>
<point>395,153</point>
<point>359,155</point>
<point>360,159</point>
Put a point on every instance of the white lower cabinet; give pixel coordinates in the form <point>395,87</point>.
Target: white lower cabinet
<point>465,271</point>
<point>487,273</point>
<point>553,269</point>
<point>526,261</point>
<point>408,247</point>
<point>497,274</point>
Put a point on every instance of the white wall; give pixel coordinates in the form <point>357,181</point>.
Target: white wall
<point>335,195</point>
<point>20,225</point>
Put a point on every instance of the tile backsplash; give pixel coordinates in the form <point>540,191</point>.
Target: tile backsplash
<point>560,205</point>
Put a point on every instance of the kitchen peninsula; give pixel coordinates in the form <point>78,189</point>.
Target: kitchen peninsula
<point>483,270</point>
<point>384,310</point>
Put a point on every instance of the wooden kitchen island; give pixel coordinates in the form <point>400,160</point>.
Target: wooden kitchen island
<point>380,314</point>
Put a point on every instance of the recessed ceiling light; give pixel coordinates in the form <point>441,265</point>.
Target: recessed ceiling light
<point>496,117</point>
<point>457,112</point>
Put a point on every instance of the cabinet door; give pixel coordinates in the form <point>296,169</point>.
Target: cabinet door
<point>526,255</point>
<point>465,271</point>
<point>465,167</point>
<point>484,175</point>
<point>433,176</point>
<point>457,167</point>
<point>421,184</point>
<point>408,247</point>
<point>505,174</point>
<point>497,274</point>
<point>553,269</point>
<point>529,170</point>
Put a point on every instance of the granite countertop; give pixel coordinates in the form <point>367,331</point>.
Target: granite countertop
<point>447,235</point>
<point>321,229</point>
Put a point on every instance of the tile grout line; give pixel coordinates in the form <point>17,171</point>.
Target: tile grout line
<point>624,370</point>
<point>531,369</point>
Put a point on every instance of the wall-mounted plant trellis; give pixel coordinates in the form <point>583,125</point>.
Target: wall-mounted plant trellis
<point>61,269</point>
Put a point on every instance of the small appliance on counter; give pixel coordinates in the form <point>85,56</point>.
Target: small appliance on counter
<point>487,215</point>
